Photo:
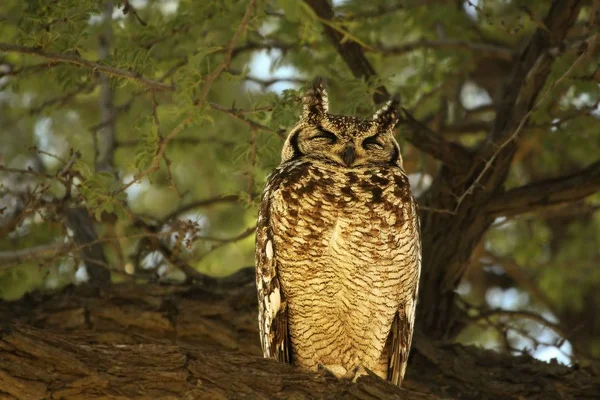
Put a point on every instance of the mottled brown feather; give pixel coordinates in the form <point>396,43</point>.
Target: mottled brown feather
<point>338,251</point>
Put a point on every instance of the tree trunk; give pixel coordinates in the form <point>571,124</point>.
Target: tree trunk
<point>178,342</point>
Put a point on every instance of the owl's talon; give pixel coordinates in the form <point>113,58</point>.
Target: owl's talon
<point>357,372</point>
<point>335,370</point>
<point>342,373</point>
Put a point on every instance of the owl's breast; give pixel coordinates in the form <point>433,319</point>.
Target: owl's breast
<point>346,247</point>
<point>351,216</point>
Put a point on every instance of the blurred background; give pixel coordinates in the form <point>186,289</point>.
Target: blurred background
<point>146,158</point>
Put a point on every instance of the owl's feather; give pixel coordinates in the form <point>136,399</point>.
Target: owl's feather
<point>272,306</point>
<point>402,329</point>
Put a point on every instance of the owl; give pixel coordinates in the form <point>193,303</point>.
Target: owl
<point>338,251</point>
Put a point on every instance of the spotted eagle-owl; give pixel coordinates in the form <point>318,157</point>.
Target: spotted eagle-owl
<point>338,251</point>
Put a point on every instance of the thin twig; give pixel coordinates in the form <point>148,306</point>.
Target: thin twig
<point>436,210</point>
<point>64,98</point>
<point>181,140</point>
<point>127,7</point>
<point>42,67</point>
<point>29,171</point>
<point>222,242</point>
<point>252,162</point>
<point>238,115</point>
<point>503,53</point>
<point>524,314</point>
<point>83,63</point>
<point>11,257</point>
<point>232,198</point>
<point>270,82</point>
<point>75,155</point>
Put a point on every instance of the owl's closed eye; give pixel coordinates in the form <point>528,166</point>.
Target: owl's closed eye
<point>344,140</point>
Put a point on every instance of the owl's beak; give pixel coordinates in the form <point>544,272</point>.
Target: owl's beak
<point>349,155</point>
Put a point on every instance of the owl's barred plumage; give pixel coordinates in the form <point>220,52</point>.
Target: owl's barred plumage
<point>338,252</point>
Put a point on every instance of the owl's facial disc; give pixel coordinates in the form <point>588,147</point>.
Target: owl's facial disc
<point>348,141</point>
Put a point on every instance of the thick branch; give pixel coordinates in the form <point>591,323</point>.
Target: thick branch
<point>157,341</point>
<point>418,134</point>
<point>83,63</point>
<point>91,249</point>
<point>84,369</point>
<point>547,193</point>
<point>452,154</point>
<point>348,49</point>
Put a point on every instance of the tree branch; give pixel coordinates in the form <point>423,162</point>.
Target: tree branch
<point>547,193</point>
<point>378,11</point>
<point>265,83</point>
<point>484,49</point>
<point>237,114</point>
<point>181,140</point>
<point>183,341</point>
<point>231,198</point>
<point>90,247</point>
<point>521,314</point>
<point>83,63</point>
<point>85,369</point>
<point>36,254</point>
<point>466,127</point>
<point>424,139</point>
<point>419,135</point>
<point>28,69</point>
<point>62,99</point>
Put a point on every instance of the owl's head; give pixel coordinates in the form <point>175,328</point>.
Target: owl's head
<point>348,141</point>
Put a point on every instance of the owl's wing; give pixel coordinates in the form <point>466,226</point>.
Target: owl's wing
<point>401,336</point>
<point>272,306</point>
<point>404,321</point>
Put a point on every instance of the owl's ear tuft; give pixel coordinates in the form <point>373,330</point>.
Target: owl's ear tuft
<point>387,116</point>
<point>315,100</point>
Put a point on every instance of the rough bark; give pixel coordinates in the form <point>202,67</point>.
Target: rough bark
<point>176,342</point>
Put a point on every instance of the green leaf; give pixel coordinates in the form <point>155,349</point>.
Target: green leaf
<point>291,8</point>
